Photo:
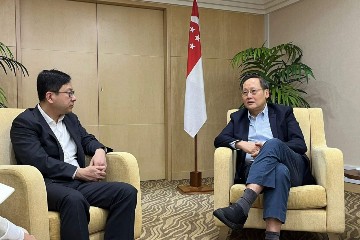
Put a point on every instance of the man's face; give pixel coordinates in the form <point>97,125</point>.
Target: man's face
<point>253,96</point>
<point>64,99</point>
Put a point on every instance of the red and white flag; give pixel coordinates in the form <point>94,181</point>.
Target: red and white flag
<point>195,106</point>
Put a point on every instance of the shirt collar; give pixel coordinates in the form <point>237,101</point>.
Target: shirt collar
<point>264,112</point>
<point>47,118</point>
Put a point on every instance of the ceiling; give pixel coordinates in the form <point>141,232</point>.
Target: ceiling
<point>250,6</point>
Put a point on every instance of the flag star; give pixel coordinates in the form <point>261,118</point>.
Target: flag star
<point>192,46</point>
<point>192,29</point>
<point>197,38</point>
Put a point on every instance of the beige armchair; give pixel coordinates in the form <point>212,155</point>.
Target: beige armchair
<point>27,206</point>
<point>313,208</point>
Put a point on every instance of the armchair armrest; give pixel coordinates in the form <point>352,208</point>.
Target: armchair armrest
<point>27,206</point>
<point>223,177</point>
<point>123,166</point>
<point>328,170</point>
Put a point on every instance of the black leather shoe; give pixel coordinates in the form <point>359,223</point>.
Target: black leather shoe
<point>232,216</point>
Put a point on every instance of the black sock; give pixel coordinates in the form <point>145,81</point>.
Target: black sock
<point>272,235</point>
<point>247,200</point>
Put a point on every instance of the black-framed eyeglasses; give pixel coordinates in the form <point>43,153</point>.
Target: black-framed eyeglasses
<point>70,93</point>
<point>252,91</point>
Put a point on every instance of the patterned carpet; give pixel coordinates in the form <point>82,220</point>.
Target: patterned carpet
<point>170,215</point>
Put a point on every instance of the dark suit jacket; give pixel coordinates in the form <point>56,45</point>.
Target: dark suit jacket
<point>35,144</point>
<point>283,125</point>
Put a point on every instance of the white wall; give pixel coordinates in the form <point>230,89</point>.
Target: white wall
<point>328,31</point>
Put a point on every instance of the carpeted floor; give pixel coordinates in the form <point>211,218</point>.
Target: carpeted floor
<point>170,215</point>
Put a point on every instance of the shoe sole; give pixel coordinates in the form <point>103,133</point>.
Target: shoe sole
<point>220,215</point>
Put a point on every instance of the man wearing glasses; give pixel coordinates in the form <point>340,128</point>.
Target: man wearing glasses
<point>51,138</point>
<point>271,156</point>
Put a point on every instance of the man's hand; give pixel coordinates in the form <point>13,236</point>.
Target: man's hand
<point>29,237</point>
<point>99,158</point>
<point>252,148</point>
<point>259,146</point>
<point>91,173</point>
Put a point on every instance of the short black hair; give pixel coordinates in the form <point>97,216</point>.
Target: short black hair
<point>50,81</point>
<point>263,83</point>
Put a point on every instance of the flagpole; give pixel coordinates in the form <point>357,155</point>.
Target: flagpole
<point>195,105</point>
<point>195,176</point>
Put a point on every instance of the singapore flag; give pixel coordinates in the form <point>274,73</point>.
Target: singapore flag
<point>195,106</point>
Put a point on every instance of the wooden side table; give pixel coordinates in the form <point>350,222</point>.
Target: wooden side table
<point>352,174</point>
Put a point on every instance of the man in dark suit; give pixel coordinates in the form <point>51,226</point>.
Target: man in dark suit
<point>51,138</point>
<point>271,156</point>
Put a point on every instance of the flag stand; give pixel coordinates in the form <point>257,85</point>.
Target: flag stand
<point>195,180</point>
<point>194,117</point>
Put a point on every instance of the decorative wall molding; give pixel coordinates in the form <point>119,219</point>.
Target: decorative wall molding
<point>249,6</point>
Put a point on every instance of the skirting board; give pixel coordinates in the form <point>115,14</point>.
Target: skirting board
<point>348,180</point>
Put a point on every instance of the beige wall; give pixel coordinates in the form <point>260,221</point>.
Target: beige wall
<point>43,44</point>
<point>8,36</point>
<point>329,34</point>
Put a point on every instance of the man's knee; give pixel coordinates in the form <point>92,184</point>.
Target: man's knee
<point>131,190</point>
<point>127,191</point>
<point>282,171</point>
<point>274,142</point>
<point>75,198</point>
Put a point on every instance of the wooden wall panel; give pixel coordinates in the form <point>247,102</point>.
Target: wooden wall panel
<point>61,35</point>
<point>146,142</point>
<point>130,31</point>
<point>7,20</point>
<point>58,25</point>
<point>132,81</point>
<point>133,87</point>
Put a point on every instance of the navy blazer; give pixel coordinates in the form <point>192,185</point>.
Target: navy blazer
<point>35,144</point>
<point>283,124</point>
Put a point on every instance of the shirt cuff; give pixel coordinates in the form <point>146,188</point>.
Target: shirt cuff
<point>73,177</point>
<point>232,144</point>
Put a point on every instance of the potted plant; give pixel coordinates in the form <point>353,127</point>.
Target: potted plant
<point>281,67</point>
<point>7,61</point>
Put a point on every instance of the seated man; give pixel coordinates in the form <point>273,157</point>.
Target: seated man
<point>271,156</point>
<point>51,138</point>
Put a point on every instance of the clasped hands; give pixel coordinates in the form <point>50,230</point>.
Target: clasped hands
<point>96,170</point>
<point>253,148</point>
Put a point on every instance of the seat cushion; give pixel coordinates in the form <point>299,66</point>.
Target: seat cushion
<point>302,197</point>
<point>98,218</point>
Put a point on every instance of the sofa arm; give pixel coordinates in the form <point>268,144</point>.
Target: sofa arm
<point>27,206</point>
<point>123,167</point>
<point>223,176</point>
<point>328,170</point>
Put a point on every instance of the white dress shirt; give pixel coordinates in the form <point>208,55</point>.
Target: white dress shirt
<point>9,231</point>
<point>63,136</point>
<point>259,130</point>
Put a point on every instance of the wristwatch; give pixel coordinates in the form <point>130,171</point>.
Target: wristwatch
<point>105,149</point>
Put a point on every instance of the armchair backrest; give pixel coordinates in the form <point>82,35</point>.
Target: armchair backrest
<point>311,123</point>
<point>7,115</point>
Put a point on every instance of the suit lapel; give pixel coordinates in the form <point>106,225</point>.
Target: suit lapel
<point>244,125</point>
<point>47,128</point>
<point>72,131</point>
<point>42,122</point>
<point>272,120</point>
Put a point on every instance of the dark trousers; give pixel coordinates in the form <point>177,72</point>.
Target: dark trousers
<point>276,168</point>
<point>73,200</point>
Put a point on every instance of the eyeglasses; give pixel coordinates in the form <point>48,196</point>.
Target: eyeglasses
<point>70,93</point>
<point>253,92</point>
